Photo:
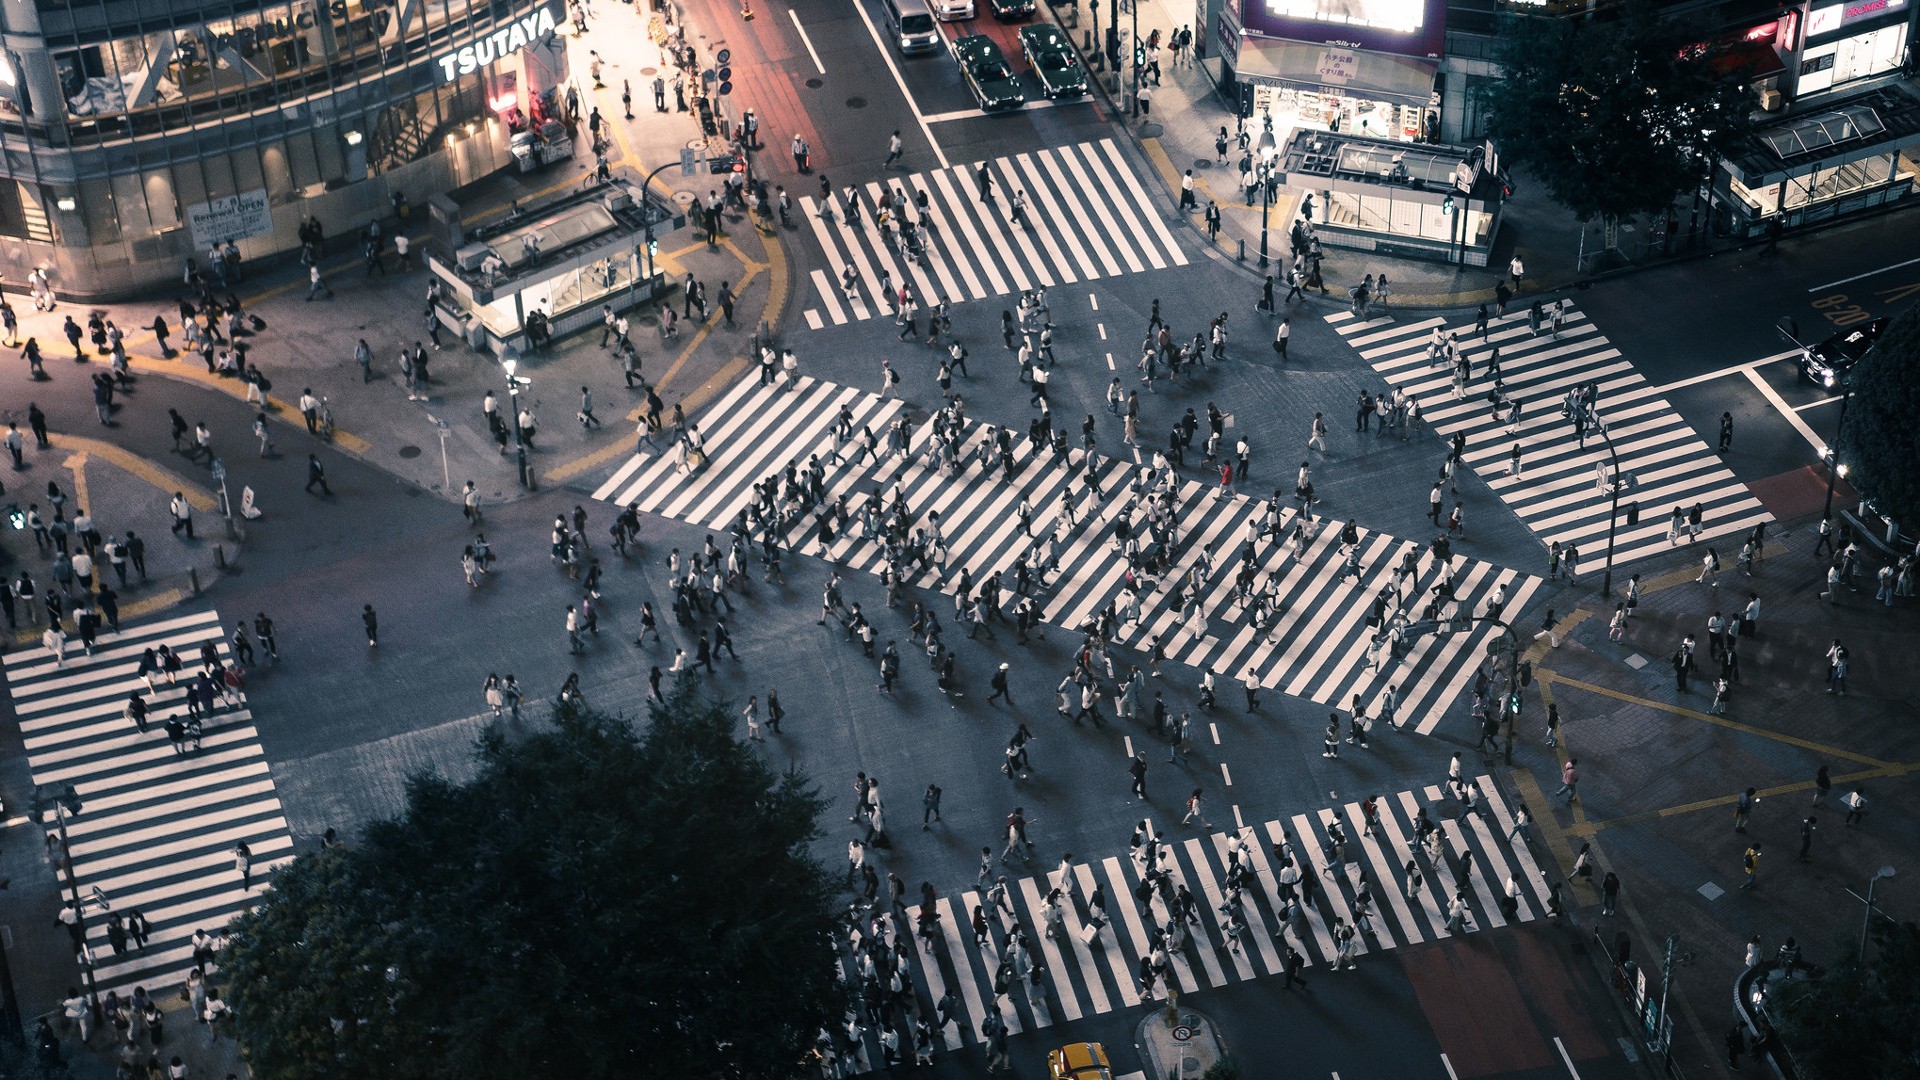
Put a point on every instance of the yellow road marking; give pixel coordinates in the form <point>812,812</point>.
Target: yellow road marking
<point>1800,788</point>
<point>1720,721</point>
<point>77,462</point>
<point>734,367</point>
<point>126,461</point>
<point>234,388</point>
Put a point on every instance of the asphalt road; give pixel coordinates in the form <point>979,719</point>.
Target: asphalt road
<point>1711,327</point>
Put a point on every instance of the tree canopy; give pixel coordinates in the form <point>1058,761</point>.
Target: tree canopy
<point>595,903</point>
<point>1612,115</point>
<point>1879,443</point>
<point>1849,1022</point>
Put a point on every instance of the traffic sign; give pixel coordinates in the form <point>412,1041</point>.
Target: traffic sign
<point>1182,1033</point>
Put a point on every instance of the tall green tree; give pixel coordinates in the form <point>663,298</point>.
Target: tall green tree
<point>1853,1022</point>
<point>1615,114</point>
<point>595,903</point>
<point>1880,444</point>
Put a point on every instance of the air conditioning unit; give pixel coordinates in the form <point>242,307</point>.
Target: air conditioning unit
<point>620,199</point>
<point>470,257</point>
<point>1771,100</point>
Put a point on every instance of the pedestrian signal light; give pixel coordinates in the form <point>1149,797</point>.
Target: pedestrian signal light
<point>1513,703</point>
<point>1446,205</point>
<point>14,517</point>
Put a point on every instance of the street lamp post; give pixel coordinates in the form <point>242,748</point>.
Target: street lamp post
<point>1790,330</point>
<point>1267,153</point>
<point>1866,920</point>
<point>1613,509</point>
<point>68,801</point>
<point>509,365</point>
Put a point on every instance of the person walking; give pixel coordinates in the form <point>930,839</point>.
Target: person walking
<point>1743,810</point>
<point>1137,769</point>
<point>1609,893</point>
<point>243,863</point>
<point>1196,808</point>
<point>1807,825</point>
<point>316,474</point>
<point>1569,780</point>
<point>372,622</point>
<point>1750,865</point>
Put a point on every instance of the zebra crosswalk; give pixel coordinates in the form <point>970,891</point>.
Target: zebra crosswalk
<point>1089,217</point>
<point>156,830</point>
<point>1558,492</point>
<point>1091,965</point>
<point>1320,647</point>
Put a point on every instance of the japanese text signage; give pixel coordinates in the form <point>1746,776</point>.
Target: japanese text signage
<point>1338,66</point>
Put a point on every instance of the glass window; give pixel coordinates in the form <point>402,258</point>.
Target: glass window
<point>271,58</point>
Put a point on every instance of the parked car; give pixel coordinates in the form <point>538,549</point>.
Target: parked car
<point>1052,59</point>
<point>1080,1061</point>
<point>1826,365</point>
<point>987,74</point>
<point>1011,10</point>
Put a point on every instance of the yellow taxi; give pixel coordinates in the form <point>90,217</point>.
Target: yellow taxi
<point>1080,1061</point>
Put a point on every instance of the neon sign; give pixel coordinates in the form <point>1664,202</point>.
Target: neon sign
<point>498,45</point>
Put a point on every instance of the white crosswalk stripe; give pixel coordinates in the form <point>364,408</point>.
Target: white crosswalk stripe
<point>1557,494</point>
<point>156,829</point>
<point>1082,980</point>
<point>1090,219</point>
<point>1317,649</point>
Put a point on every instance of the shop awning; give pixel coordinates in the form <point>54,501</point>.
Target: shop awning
<point>1404,80</point>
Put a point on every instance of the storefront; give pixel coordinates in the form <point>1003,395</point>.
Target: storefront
<point>1389,197</point>
<point>1837,157</point>
<point>1851,41</point>
<point>1361,67</point>
<point>134,142</point>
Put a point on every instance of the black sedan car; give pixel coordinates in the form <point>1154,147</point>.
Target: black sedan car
<point>1826,365</point>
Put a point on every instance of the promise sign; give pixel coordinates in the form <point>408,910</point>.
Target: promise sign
<point>497,45</point>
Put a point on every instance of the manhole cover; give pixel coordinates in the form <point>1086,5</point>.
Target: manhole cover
<point>815,84</point>
<point>409,452</point>
<point>684,198</point>
<point>649,71</point>
<point>856,103</point>
<point>1203,163</point>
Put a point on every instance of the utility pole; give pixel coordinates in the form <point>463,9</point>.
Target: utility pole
<point>1662,1027</point>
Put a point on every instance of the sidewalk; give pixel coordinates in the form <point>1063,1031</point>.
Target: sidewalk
<point>311,345</point>
<point>1660,774</point>
<point>1186,115</point>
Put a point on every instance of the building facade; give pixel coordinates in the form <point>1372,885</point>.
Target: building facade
<point>140,132</point>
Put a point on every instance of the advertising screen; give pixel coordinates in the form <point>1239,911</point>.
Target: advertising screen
<point>1407,27</point>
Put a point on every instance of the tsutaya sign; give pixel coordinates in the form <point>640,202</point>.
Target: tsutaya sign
<point>497,45</point>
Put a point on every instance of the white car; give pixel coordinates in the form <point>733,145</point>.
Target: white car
<point>951,10</point>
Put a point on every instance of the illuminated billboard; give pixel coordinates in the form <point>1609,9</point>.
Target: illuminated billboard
<point>1407,27</point>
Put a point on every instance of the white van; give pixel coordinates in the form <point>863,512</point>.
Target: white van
<point>911,23</point>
